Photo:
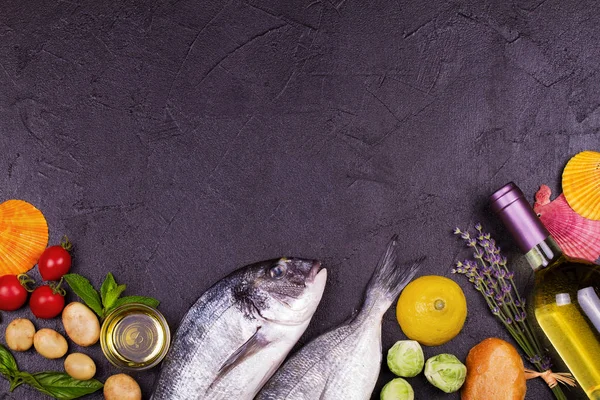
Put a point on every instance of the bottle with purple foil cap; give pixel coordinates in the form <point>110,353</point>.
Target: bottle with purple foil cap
<point>532,237</point>
<point>566,291</point>
<point>519,218</point>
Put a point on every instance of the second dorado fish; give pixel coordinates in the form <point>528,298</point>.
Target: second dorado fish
<point>344,363</point>
<point>239,332</point>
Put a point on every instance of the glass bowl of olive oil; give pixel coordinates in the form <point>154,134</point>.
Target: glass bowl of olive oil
<point>135,336</point>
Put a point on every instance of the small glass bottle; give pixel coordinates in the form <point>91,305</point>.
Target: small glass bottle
<point>566,290</point>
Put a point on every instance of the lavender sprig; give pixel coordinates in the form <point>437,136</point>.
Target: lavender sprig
<point>490,275</point>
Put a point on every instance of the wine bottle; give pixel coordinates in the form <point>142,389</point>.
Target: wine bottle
<point>566,293</point>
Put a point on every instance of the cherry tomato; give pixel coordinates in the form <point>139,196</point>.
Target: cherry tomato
<point>46,303</point>
<point>54,263</point>
<point>12,294</point>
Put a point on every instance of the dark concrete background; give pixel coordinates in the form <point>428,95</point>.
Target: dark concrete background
<point>174,141</point>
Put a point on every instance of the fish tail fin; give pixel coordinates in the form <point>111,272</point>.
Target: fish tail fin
<point>389,278</point>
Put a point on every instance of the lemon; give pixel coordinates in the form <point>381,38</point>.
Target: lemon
<point>432,310</point>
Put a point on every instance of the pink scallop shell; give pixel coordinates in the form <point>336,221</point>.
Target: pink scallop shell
<point>577,236</point>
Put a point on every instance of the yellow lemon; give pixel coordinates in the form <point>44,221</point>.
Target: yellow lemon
<point>432,310</point>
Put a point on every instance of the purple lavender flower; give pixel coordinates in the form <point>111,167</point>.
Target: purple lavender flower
<point>490,276</point>
<point>546,363</point>
<point>535,359</point>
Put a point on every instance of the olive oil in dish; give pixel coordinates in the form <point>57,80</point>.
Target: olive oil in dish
<point>135,336</point>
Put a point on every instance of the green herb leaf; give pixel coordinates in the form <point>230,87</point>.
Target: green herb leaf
<point>9,368</point>
<point>8,364</point>
<point>55,384</point>
<point>63,387</point>
<point>84,289</point>
<point>149,301</point>
<point>26,377</point>
<point>15,383</point>
<point>112,296</point>
<point>108,285</point>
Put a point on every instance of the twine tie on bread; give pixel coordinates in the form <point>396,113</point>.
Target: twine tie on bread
<point>551,378</point>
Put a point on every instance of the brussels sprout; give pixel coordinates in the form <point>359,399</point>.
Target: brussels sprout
<point>405,358</point>
<point>397,389</point>
<point>445,372</point>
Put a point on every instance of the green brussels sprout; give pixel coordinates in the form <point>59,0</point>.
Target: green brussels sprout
<point>445,372</point>
<point>405,358</point>
<point>397,389</point>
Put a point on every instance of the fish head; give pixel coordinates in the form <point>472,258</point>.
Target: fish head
<point>286,291</point>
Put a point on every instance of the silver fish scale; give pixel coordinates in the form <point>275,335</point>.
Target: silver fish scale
<point>345,362</point>
<point>191,366</point>
<point>311,373</point>
<point>235,336</point>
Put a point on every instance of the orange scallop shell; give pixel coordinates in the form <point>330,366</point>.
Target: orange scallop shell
<point>577,236</point>
<point>581,184</point>
<point>23,236</point>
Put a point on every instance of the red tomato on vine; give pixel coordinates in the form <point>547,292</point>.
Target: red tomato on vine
<point>12,294</point>
<point>55,261</point>
<point>47,302</point>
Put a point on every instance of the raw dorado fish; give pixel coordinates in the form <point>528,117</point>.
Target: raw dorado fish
<point>239,332</point>
<point>344,363</point>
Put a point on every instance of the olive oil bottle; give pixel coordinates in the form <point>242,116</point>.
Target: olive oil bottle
<point>566,291</point>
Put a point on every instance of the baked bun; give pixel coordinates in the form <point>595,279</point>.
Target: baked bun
<point>495,371</point>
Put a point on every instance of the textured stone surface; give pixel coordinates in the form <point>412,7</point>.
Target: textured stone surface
<point>174,141</point>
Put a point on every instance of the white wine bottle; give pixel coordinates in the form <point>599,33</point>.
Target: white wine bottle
<point>566,293</point>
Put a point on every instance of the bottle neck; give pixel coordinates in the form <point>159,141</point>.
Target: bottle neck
<point>543,253</point>
<point>530,234</point>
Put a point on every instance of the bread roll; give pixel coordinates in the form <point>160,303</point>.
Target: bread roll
<point>495,371</point>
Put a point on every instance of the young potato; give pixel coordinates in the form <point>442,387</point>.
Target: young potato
<point>50,343</point>
<point>81,324</point>
<point>19,334</point>
<point>80,366</point>
<point>122,387</point>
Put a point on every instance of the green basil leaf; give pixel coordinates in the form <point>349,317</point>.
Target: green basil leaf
<point>112,296</point>
<point>63,387</point>
<point>27,378</point>
<point>55,384</point>
<point>149,301</point>
<point>15,383</point>
<point>8,364</point>
<point>84,289</point>
<point>108,285</point>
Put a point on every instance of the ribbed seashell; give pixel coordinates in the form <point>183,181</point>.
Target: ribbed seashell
<point>581,184</point>
<point>23,236</point>
<point>577,236</point>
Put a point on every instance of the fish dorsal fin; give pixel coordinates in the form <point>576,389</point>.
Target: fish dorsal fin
<point>252,346</point>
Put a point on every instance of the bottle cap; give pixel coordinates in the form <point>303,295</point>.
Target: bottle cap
<point>517,215</point>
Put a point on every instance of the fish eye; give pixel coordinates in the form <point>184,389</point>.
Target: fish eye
<point>278,271</point>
